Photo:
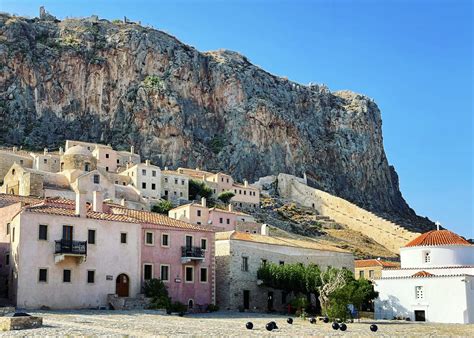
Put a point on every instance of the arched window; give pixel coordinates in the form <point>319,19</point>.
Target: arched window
<point>13,171</point>
<point>190,303</point>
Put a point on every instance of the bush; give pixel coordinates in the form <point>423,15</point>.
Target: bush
<point>199,189</point>
<point>153,82</point>
<point>116,21</point>
<point>178,307</point>
<point>226,196</point>
<point>217,144</point>
<point>156,290</point>
<point>162,207</point>
<point>212,308</point>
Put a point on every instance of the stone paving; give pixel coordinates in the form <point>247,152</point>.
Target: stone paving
<point>148,323</point>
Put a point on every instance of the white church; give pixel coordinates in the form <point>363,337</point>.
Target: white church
<point>435,282</point>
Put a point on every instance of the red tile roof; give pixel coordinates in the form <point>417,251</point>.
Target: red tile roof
<point>438,237</point>
<point>422,274</point>
<point>428,276</point>
<point>365,263</point>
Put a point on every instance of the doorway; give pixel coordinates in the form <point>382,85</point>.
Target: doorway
<point>270,301</point>
<point>246,299</point>
<point>420,316</point>
<point>121,285</point>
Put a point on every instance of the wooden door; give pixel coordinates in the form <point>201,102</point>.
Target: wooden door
<point>246,299</point>
<point>122,285</point>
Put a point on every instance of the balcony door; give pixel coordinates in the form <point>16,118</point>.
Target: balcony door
<point>189,242</point>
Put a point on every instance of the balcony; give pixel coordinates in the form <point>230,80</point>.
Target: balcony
<point>64,248</point>
<point>190,253</point>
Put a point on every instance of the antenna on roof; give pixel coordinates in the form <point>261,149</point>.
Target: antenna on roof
<point>437,225</point>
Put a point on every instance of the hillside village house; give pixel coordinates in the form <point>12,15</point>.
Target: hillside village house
<point>178,253</point>
<point>435,282</point>
<point>245,196</point>
<point>239,256</point>
<point>8,157</point>
<point>218,219</point>
<point>69,254</point>
<point>372,268</point>
<point>47,161</point>
<point>174,186</point>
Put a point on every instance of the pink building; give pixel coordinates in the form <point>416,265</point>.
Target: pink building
<point>180,254</point>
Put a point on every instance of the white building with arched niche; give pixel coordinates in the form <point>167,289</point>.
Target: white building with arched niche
<point>435,282</point>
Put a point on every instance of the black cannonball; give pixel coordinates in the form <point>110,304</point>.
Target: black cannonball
<point>326,320</point>
<point>312,320</point>
<point>373,328</point>
<point>343,327</point>
<point>335,326</point>
<point>249,325</point>
<point>269,326</point>
<point>289,320</point>
<point>275,327</point>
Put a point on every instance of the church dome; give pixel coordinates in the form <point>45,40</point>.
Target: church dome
<point>78,150</point>
<point>437,238</point>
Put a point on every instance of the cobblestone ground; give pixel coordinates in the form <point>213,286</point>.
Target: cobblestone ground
<point>148,323</point>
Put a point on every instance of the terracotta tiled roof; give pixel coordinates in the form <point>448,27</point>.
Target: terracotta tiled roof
<point>422,274</point>
<point>6,199</point>
<point>228,212</point>
<point>365,263</point>
<point>429,276</point>
<point>157,219</point>
<point>296,243</point>
<point>438,237</point>
<point>438,267</point>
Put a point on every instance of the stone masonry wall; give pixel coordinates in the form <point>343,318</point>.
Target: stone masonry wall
<point>387,233</point>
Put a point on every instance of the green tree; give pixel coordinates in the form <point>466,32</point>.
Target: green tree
<point>199,189</point>
<point>162,207</point>
<point>157,291</point>
<point>226,196</point>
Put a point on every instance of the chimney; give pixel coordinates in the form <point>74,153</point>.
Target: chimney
<point>132,149</point>
<point>81,205</point>
<point>61,150</point>
<point>264,230</point>
<point>246,183</point>
<point>97,201</point>
<point>45,151</point>
<point>122,202</point>
<point>203,201</point>
<point>166,168</point>
<point>147,162</point>
<point>230,207</point>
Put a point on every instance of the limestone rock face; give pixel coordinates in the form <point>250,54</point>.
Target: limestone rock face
<point>124,84</point>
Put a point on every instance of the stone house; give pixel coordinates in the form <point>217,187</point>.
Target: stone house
<point>239,256</point>
<point>8,157</point>
<point>372,268</point>
<point>174,185</point>
<point>146,178</point>
<point>47,161</point>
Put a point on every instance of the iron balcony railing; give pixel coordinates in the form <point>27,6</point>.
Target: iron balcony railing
<point>64,246</point>
<point>192,252</point>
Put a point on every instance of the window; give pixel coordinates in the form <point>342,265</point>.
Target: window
<point>149,238</point>
<point>143,185</point>
<point>106,168</point>
<point>143,172</point>
<point>228,220</point>
<point>203,243</point>
<point>13,235</point>
<point>419,292</point>
<point>263,262</point>
<point>165,240</point>
<point>282,263</point>
<point>245,264</point>
<point>371,273</point>
<point>91,236</point>
<point>8,228</point>
<point>166,179</point>
<point>153,173</point>
<point>189,274</point>
<point>123,237</point>
<point>222,179</point>
<point>66,276</point>
<point>43,232</point>
<point>199,213</point>
<point>43,276</point>
<point>87,167</point>
<point>7,259</point>
<point>96,179</point>
<point>426,257</point>
<point>166,192</point>
<point>227,180</point>
<point>147,271</point>
<point>203,275</point>
<point>90,276</point>
<point>361,274</point>
<point>45,161</point>
<point>175,181</point>
<point>116,182</point>
<point>165,273</point>
<point>182,182</point>
<point>106,155</point>
<point>180,194</point>
<point>118,161</point>
<point>245,192</point>
<point>221,220</point>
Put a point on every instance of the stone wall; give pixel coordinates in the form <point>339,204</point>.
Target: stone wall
<point>387,233</point>
<point>7,158</point>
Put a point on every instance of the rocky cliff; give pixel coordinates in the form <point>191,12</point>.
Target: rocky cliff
<point>124,84</point>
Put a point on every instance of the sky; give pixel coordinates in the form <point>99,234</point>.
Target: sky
<point>413,57</point>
